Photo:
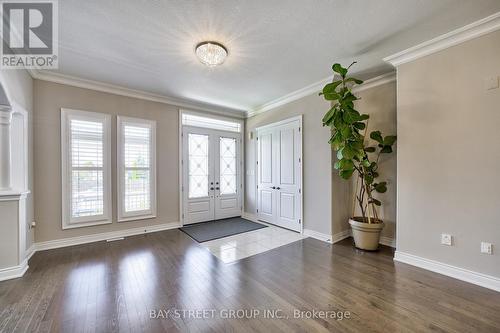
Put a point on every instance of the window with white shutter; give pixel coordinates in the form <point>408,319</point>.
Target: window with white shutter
<point>137,173</point>
<point>86,169</point>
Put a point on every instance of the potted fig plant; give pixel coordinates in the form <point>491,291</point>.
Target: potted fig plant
<point>357,154</point>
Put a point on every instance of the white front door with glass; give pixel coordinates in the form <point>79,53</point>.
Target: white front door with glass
<point>211,174</point>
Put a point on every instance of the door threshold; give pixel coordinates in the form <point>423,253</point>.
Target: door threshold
<point>277,226</point>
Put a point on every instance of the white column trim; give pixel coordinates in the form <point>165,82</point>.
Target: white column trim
<point>5,147</point>
<point>13,195</point>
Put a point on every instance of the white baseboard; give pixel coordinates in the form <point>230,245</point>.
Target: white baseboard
<point>30,251</point>
<point>14,271</point>
<point>249,216</point>
<point>318,235</point>
<point>57,243</point>
<point>341,235</point>
<point>466,275</point>
<point>387,241</point>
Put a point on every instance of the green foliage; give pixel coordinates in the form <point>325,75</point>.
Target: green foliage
<point>348,137</point>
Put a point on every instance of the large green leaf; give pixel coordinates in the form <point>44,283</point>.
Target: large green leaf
<point>348,152</point>
<point>381,187</point>
<point>345,164</point>
<point>359,126</point>
<point>336,140</point>
<point>377,136</point>
<point>337,68</point>
<point>331,96</point>
<point>386,150</point>
<point>346,132</point>
<point>328,117</point>
<point>389,140</point>
<point>346,174</point>
<point>331,87</point>
<point>350,116</point>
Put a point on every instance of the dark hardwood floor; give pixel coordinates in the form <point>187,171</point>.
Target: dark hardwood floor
<point>111,287</point>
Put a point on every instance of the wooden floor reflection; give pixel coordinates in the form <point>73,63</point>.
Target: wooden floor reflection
<point>113,287</point>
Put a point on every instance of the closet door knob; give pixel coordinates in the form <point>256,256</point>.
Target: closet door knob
<point>277,188</point>
<point>273,187</point>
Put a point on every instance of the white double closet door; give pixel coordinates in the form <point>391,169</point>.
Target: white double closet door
<point>279,174</point>
<point>211,174</point>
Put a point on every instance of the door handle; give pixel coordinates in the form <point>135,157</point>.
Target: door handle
<point>211,189</point>
<point>273,187</point>
<point>216,188</point>
<point>278,188</point>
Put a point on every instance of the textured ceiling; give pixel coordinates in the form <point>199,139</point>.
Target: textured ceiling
<point>275,46</point>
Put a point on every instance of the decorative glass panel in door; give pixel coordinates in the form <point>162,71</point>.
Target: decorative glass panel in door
<point>198,165</point>
<point>227,165</point>
<point>211,175</point>
<point>227,196</point>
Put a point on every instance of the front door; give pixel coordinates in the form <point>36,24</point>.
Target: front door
<point>211,174</point>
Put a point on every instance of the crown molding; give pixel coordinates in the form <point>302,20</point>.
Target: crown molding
<point>452,38</point>
<point>293,96</point>
<point>376,81</point>
<point>316,87</point>
<point>122,91</point>
<point>196,106</point>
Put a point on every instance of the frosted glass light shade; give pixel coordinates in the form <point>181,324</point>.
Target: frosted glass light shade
<point>211,53</point>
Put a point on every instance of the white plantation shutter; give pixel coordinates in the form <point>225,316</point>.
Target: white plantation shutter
<point>86,168</point>
<point>87,150</point>
<point>137,148</point>
<point>137,173</point>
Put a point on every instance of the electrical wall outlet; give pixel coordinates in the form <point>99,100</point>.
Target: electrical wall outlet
<point>486,248</point>
<point>446,239</point>
<point>491,83</point>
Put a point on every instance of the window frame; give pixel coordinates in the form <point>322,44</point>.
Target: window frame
<point>68,221</point>
<point>212,122</point>
<point>120,155</point>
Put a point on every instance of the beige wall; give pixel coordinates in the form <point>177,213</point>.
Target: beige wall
<point>449,155</point>
<point>49,98</point>
<point>316,161</point>
<point>380,103</point>
<point>19,86</point>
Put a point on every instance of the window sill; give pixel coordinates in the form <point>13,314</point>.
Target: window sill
<point>85,224</point>
<point>136,218</point>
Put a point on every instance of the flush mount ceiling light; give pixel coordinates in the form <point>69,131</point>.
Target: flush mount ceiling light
<point>211,53</point>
